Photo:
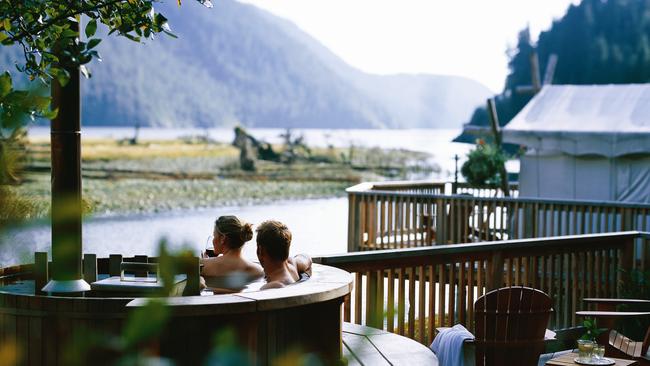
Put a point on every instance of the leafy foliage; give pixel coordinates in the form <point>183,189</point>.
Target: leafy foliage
<point>482,166</point>
<point>591,329</point>
<point>597,42</point>
<point>48,31</point>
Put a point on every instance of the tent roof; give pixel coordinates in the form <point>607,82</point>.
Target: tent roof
<point>610,120</point>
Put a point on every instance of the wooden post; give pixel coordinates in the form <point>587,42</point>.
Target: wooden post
<point>441,220</point>
<point>90,267</point>
<point>495,274</point>
<point>141,259</point>
<point>40,272</point>
<point>114,261</point>
<point>353,222</point>
<point>66,183</point>
<point>372,318</point>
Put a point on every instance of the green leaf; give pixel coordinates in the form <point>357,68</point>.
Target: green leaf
<point>91,28</point>
<point>93,43</point>
<point>3,36</point>
<point>7,24</point>
<point>69,33</point>
<point>5,84</point>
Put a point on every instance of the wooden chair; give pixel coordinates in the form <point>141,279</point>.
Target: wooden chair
<point>619,345</point>
<point>510,326</point>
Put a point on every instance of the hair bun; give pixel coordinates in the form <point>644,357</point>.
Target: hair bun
<point>246,232</point>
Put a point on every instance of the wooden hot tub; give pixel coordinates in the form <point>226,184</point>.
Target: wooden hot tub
<point>304,318</point>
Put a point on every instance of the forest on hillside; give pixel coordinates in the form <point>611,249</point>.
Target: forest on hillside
<point>596,42</point>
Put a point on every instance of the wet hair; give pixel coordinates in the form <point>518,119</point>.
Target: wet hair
<point>237,231</point>
<point>275,238</point>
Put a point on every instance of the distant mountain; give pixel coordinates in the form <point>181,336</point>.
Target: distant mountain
<point>236,64</point>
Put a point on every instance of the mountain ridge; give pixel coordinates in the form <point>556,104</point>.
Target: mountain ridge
<point>238,64</point>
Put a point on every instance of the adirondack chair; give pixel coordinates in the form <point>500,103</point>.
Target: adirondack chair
<point>510,326</point>
<point>618,345</point>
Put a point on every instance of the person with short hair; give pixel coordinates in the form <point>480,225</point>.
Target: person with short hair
<point>273,243</point>
<point>230,235</point>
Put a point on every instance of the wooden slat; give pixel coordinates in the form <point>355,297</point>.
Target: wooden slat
<point>390,321</point>
<point>412,304</point>
<point>432,305</point>
<point>441,295</point>
<point>358,290</point>
<point>401,299</point>
<point>422,304</point>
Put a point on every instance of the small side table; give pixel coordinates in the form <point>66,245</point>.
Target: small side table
<point>567,359</point>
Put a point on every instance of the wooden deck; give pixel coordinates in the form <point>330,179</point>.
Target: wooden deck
<point>369,346</point>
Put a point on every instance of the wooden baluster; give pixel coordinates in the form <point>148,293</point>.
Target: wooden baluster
<point>452,294</point>
<point>391,223</point>
<point>371,299</point>
<point>461,293</point>
<point>401,300</point>
<point>598,273</point>
<point>421,305</point>
<point>363,229</point>
<point>382,222</point>
<point>590,273</point>
<point>508,271</point>
<point>390,321</point>
<point>606,260</point>
<point>566,275</point>
<point>574,288</point>
<point>432,304</point>
<point>412,304</point>
<point>515,230</point>
<point>441,294</point>
<point>470,295</point>
<point>358,292</point>
<point>480,279</point>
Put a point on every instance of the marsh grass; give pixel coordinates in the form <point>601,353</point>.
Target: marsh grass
<point>154,176</point>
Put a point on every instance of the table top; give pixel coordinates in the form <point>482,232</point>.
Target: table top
<point>370,346</point>
<point>567,359</point>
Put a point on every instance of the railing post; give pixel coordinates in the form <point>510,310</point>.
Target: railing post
<point>495,274</point>
<point>353,222</point>
<point>441,219</point>
<point>626,263</point>
<point>529,224</point>
<point>372,315</point>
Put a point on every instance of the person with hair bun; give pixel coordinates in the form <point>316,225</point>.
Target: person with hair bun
<point>229,269</point>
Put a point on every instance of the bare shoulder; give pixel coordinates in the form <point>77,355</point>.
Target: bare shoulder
<point>255,269</point>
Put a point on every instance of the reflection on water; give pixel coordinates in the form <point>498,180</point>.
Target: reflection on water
<point>318,226</point>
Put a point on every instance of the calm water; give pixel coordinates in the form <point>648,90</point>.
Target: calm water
<point>319,226</point>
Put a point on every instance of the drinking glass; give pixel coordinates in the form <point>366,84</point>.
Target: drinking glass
<point>209,247</point>
<point>599,351</point>
<point>585,349</point>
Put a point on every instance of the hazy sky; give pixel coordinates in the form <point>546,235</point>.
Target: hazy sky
<point>453,37</point>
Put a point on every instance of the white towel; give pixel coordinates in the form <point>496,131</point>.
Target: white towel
<point>448,345</point>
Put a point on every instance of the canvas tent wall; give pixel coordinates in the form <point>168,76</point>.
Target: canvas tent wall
<point>585,142</point>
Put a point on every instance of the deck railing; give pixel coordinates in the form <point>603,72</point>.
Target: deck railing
<point>414,290</point>
<point>405,215</point>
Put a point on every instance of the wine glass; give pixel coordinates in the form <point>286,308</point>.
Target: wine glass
<point>209,247</point>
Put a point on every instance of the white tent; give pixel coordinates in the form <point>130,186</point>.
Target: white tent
<point>587,142</point>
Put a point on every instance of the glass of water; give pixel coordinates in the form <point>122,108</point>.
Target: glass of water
<point>585,349</point>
